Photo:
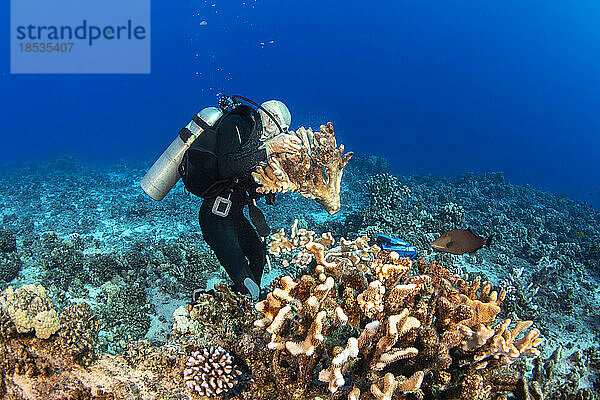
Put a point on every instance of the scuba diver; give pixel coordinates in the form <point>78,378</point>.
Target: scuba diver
<point>243,140</point>
<point>214,156</point>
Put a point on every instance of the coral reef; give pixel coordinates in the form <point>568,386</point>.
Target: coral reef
<point>124,314</point>
<point>62,261</point>
<point>544,247</point>
<point>91,242</point>
<point>30,310</point>
<point>424,323</point>
<point>560,377</point>
<point>8,242</point>
<point>386,193</point>
<point>102,267</point>
<point>38,369</point>
<point>78,334</point>
<point>452,214</point>
<point>182,266</point>
<point>10,265</point>
<point>207,314</point>
<point>390,210</point>
<point>314,172</point>
<point>210,372</point>
<point>66,365</point>
<point>435,338</point>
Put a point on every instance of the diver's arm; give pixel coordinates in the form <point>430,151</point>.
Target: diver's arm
<point>236,155</point>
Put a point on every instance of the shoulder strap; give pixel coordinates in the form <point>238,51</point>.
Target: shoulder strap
<point>243,111</point>
<point>200,122</point>
<point>248,114</point>
<point>236,97</point>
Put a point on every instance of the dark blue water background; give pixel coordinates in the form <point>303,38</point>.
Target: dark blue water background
<point>440,87</point>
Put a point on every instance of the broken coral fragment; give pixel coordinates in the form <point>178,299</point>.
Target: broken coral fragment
<point>315,171</point>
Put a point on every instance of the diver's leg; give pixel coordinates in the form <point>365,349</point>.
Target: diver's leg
<point>221,235</point>
<point>254,248</point>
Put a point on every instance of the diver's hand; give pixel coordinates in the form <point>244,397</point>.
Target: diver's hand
<point>283,143</point>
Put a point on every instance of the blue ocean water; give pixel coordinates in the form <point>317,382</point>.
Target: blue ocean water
<point>436,87</point>
<point>466,241</point>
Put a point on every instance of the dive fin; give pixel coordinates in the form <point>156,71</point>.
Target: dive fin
<point>387,239</point>
<point>252,288</point>
<point>488,242</point>
<point>382,238</point>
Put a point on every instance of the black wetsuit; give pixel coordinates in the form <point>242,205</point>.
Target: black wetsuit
<point>233,239</point>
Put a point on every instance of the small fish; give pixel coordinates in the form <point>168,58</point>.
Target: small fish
<point>581,235</point>
<point>262,44</point>
<point>460,241</point>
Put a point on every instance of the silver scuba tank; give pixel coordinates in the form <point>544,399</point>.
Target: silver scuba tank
<point>163,174</point>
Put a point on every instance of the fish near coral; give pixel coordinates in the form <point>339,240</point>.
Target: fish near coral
<point>460,241</point>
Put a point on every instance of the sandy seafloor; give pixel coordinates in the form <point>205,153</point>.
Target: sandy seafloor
<point>65,215</point>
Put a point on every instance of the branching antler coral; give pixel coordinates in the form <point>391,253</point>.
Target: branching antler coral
<point>314,172</point>
<point>370,319</point>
